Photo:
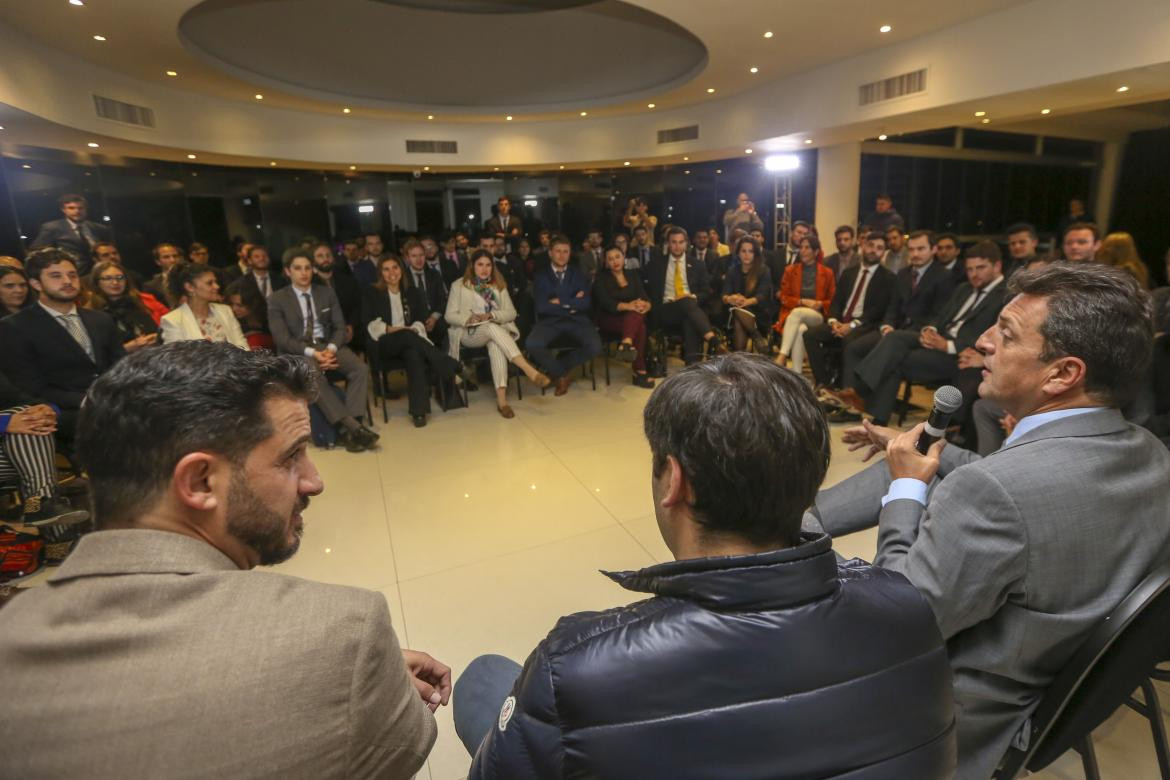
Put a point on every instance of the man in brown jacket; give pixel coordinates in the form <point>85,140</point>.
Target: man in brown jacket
<point>154,651</point>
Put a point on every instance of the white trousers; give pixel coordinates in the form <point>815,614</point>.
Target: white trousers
<point>792,340</point>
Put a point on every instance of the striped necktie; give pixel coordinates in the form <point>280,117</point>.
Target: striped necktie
<point>72,323</point>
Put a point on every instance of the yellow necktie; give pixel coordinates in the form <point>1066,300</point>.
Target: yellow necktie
<point>679,290</point>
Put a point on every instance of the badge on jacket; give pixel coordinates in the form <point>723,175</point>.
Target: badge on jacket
<point>506,712</point>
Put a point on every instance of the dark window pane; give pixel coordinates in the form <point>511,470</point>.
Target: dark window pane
<point>1072,148</point>
<point>996,141</point>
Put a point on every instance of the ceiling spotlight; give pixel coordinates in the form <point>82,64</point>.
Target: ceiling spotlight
<point>781,162</point>
<point>1,127</point>
<point>430,116</point>
<point>753,70</point>
<point>190,157</point>
<point>882,137</point>
<point>508,118</point>
<point>172,73</point>
<point>1123,88</point>
<point>980,113</point>
<point>353,167</point>
<point>562,167</point>
<point>649,105</point>
<point>808,140</point>
<point>259,96</point>
<point>627,162</point>
<point>426,167</point>
<point>686,173</point>
<point>76,2</point>
<point>496,168</point>
<point>584,113</point>
<point>747,151</point>
<point>718,170</point>
<point>273,163</point>
<point>768,34</point>
<point>686,159</point>
<point>1046,111</point>
<point>347,110</point>
<point>26,166</point>
<point>985,121</point>
<point>710,90</point>
<point>102,38</point>
<point>885,28</point>
<point>92,145</point>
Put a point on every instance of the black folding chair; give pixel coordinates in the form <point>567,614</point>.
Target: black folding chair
<point>381,368</point>
<point>1119,656</point>
<point>563,344</point>
<point>475,356</point>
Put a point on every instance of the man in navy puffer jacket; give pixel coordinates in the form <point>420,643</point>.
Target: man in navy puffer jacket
<point>759,655</point>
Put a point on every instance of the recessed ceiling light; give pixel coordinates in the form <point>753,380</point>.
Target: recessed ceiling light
<point>562,167</point>
<point>808,140</point>
<point>687,173</point>
<point>885,28</point>
<point>259,96</point>
<point>76,2</point>
<point>1046,111</point>
<point>649,105</point>
<point>686,159</point>
<point>1,127</point>
<point>986,121</point>
<point>710,90</point>
<point>508,117</point>
<point>496,168</point>
<point>747,151</point>
<point>980,113</point>
<point>92,145</point>
<point>768,34</point>
<point>430,116</point>
<point>190,157</point>
<point>627,162</point>
<point>26,166</point>
<point>1123,88</point>
<point>102,38</point>
<point>347,110</point>
<point>353,167</point>
<point>584,113</point>
<point>753,70</point>
<point>273,163</point>
<point>426,167</point>
<point>882,137</point>
<point>718,170</point>
<point>172,73</point>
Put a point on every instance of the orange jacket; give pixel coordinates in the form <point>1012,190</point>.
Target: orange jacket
<point>790,290</point>
<point>154,306</point>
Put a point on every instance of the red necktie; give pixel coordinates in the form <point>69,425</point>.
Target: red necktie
<point>848,316</point>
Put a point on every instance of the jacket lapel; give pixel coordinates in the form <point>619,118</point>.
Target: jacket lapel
<point>57,331</point>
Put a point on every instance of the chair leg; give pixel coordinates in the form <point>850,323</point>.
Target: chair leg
<point>1088,757</point>
<point>605,358</point>
<point>1151,709</point>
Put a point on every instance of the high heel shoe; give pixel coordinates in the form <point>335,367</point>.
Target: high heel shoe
<point>541,380</point>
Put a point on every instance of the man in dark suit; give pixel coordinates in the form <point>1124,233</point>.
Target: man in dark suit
<point>73,232</point>
<point>449,268</point>
<point>592,255</point>
<point>345,287</point>
<point>364,266</point>
<point>260,279</point>
<point>921,289</point>
<point>504,224</point>
<point>562,296</point>
<point>861,301</point>
<point>306,320</point>
<point>716,268</point>
<point>943,351</point>
<point>772,258</point>
<point>237,270</point>
<point>513,272</point>
<point>166,256</point>
<point>54,349</point>
<point>678,288</point>
<point>430,282</point>
<point>946,254</point>
<point>641,249</point>
<point>1023,553</point>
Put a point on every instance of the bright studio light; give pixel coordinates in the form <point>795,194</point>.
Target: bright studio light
<point>781,162</point>
<point>366,209</point>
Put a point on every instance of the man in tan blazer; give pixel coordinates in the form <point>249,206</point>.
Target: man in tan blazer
<point>154,651</point>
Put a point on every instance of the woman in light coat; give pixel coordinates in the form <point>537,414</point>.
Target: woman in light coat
<point>199,316</point>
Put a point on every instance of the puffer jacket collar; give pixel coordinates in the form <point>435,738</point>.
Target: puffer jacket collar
<point>772,580</point>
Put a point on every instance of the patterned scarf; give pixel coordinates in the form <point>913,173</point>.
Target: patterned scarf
<point>487,291</point>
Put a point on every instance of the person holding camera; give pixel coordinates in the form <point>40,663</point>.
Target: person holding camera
<point>742,217</point>
<point>638,215</point>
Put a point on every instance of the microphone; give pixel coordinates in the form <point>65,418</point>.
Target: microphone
<point>947,400</point>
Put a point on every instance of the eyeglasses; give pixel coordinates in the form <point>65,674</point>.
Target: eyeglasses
<point>118,278</point>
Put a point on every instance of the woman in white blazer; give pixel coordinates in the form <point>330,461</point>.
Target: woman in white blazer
<point>199,317</point>
<point>480,313</point>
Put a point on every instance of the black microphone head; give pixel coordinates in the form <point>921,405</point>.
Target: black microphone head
<point>948,399</point>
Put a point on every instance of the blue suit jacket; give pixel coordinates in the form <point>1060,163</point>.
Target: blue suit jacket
<point>546,288</point>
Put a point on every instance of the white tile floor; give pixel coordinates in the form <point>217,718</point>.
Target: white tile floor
<point>481,532</point>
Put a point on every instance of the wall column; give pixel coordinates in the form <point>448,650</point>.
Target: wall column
<point>1107,176</point>
<point>838,188</point>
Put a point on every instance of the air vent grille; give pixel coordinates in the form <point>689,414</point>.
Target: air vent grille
<point>893,87</point>
<point>676,134</point>
<point>432,147</point>
<point>127,113</point>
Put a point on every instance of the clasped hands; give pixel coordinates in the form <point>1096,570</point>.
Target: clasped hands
<point>901,448</point>
<point>326,359</point>
<point>930,338</point>
<point>39,420</point>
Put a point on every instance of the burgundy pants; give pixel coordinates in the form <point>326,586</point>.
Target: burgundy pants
<point>630,325</point>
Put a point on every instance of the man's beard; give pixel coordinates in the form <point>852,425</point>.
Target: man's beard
<point>61,297</point>
<point>257,526</point>
<point>325,268</point>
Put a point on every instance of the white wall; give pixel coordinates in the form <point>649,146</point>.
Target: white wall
<point>838,187</point>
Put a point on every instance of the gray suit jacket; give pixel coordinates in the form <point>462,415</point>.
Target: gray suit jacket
<point>287,323</point>
<point>1020,555</point>
<point>149,654</point>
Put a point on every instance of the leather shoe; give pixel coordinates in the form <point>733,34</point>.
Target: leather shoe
<point>351,441</point>
<point>541,380</point>
<point>849,397</point>
<point>563,385</point>
<point>367,437</point>
<point>843,416</point>
<point>419,420</point>
<point>506,412</point>
<point>643,380</point>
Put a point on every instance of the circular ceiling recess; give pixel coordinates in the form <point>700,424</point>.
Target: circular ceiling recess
<point>518,55</point>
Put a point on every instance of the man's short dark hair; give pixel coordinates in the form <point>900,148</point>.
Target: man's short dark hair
<point>942,236</point>
<point>1099,314</point>
<point>38,260</point>
<point>675,230</point>
<point>156,250</point>
<point>884,196</point>
<point>843,229</point>
<point>1024,227</point>
<point>158,405</point>
<point>254,248</point>
<point>293,253</point>
<point>750,438</point>
<point>559,238</point>
<point>922,234</point>
<point>71,197</point>
<point>801,223</point>
<point>503,198</point>
<point>988,250</point>
<point>1083,226</point>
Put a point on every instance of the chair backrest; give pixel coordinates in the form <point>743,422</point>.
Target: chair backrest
<point>1119,653</point>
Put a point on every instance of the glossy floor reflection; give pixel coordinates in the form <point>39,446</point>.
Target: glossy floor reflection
<point>482,531</point>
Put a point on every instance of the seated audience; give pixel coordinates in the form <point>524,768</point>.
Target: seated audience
<point>305,320</point>
<point>638,216</point>
<point>55,349</point>
<point>563,301</point>
<point>847,255</point>
<point>942,351</point>
<point>73,232</point>
<point>1080,241</point>
<point>199,315</point>
<point>721,249</point>
<point>199,253</point>
<point>810,648</point>
<point>642,249</point>
<point>791,253</point>
<point>251,314</point>
<point>806,295</point>
<point>1120,251</point>
<point>137,315</point>
<point>480,314</point>
<point>365,267</point>
<point>344,286</point>
<point>260,278</point>
<point>747,291</point>
<point>28,455</point>
<point>989,541</point>
<point>592,255</point>
<point>391,312</point>
<point>897,255</point>
<point>14,294</point>
<point>675,283</point>
<point>622,306</point>
<point>946,254</point>
<point>742,217</point>
<point>524,255</point>
<point>166,257</point>
<point>239,269</point>
<point>1022,243</point>
<point>863,295</point>
<point>199,471</point>
<point>884,215</point>
<point>512,269</point>
<point>430,282</point>
<point>448,269</point>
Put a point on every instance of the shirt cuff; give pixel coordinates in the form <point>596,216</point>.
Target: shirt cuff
<point>907,487</point>
<point>4,418</point>
<point>332,348</point>
<point>951,347</point>
<point>309,352</point>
